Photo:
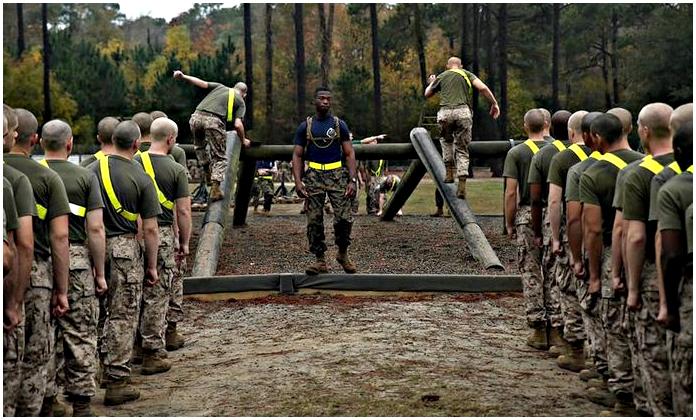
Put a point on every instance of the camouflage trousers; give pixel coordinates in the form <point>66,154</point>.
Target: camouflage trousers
<point>651,340</point>
<point>372,196</point>
<point>319,184</point>
<point>12,355</point>
<point>175,313</point>
<point>529,262</point>
<point>455,128</point>
<point>262,188</point>
<point>76,332</point>
<point>210,142</point>
<point>592,319</point>
<point>681,352</point>
<point>573,327</point>
<point>552,294</point>
<point>153,318</point>
<point>639,398</point>
<point>38,339</point>
<point>125,276</point>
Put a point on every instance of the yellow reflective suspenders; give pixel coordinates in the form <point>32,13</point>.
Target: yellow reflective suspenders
<point>690,169</point>
<point>230,104</point>
<point>614,160</point>
<point>74,208</point>
<point>463,74</point>
<point>675,167</point>
<point>578,152</point>
<point>596,155</point>
<point>559,145</point>
<point>147,165</point>
<point>99,155</point>
<point>109,188</point>
<point>652,165</point>
<point>378,172</point>
<point>532,146</point>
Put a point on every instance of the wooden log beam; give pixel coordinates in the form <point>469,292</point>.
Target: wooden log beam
<point>247,171</point>
<point>408,184</point>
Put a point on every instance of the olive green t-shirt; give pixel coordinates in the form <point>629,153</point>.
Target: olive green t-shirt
<point>83,190</point>
<point>517,163</point>
<point>636,186</point>
<point>617,203</point>
<point>453,88</point>
<point>134,190</point>
<point>171,180</point>
<point>216,101</point>
<point>561,163</point>
<point>177,153</point>
<point>49,192</point>
<point>23,193</point>
<point>597,186</point>
<point>8,205</point>
<point>572,189</point>
<point>655,184</point>
<point>539,168</point>
<point>88,161</point>
<point>672,202</point>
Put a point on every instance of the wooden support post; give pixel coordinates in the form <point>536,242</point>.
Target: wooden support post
<point>408,184</point>
<point>247,171</point>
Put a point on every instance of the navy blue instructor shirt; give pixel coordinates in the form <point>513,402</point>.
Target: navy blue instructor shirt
<point>325,127</point>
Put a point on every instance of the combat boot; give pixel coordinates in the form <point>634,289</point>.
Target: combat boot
<point>343,259</point>
<point>601,397</point>
<point>215,191</point>
<point>51,407</point>
<point>598,383</point>
<point>622,408</point>
<point>82,406</point>
<point>438,213</point>
<point>449,175</point>
<point>154,362</point>
<point>558,344</point>
<point>538,339</point>
<point>318,267</point>
<point>587,374</point>
<point>120,392</point>
<point>574,360</point>
<point>174,340</point>
<point>461,188</point>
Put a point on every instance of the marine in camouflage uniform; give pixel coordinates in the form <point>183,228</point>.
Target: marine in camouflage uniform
<point>263,185</point>
<point>516,172</point>
<point>375,170</point>
<point>76,346</point>
<point>323,142</point>
<point>52,210</point>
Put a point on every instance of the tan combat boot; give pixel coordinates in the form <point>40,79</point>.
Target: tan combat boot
<point>119,391</point>
<point>174,340</point>
<point>343,259</point>
<point>215,191</point>
<point>438,213</point>
<point>449,175</point>
<point>461,188</point>
<point>82,406</point>
<point>601,396</point>
<point>537,339</point>
<point>154,362</point>
<point>574,360</point>
<point>318,267</point>
<point>598,383</point>
<point>558,344</point>
<point>52,407</point>
<point>587,374</point>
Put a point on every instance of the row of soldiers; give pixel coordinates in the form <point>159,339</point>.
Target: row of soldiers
<point>95,258</point>
<point>605,251</point>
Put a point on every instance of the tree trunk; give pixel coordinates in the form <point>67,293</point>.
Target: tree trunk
<point>465,35</point>
<point>615,54</point>
<point>475,67</point>
<point>269,69</point>
<point>555,59</point>
<point>605,72</point>
<point>377,79</point>
<point>420,44</point>
<point>47,64</point>
<point>300,61</point>
<point>324,45</point>
<point>20,30</point>
<point>490,51</point>
<point>248,69</point>
<point>502,48</point>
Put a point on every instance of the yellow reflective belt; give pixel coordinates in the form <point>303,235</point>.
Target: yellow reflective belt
<point>325,166</point>
<point>559,145</point>
<point>230,104</point>
<point>652,165</point>
<point>106,179</point>
<point>596,155</point>
<point>463,74</point>
<point>74,208</point>
<point>614,160</point>
<point>147,164</point>
<point>675,167</point>
<point>99,155</point>
<point>690,169</point>
<point>578,152</point>
<point>532,146</point>
<point>269,177</point>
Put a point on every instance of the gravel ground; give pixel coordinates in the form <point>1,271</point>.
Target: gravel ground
<point>307,355</point>
<point>410,244</point>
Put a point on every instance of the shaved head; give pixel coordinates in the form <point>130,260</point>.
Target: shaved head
<point>559,124</point>
<point>608,127</point>
<point>547,115</point>
<point>162,128</point>
<point>534,121</point>
<point>587,121</point>
<point>11,117</point>
<point>105,129</point>
<point>684,145</point>
<point>241,86</point>
<point>575,121</point>
<point>157,114</point>
<point>144,121</point>
<point>125,134</point>
<point>55,135</point>
<point>681,115</point>
<point>655,117</point>
<point>454,63</point>
<point>26,125</point>
<point>625,117</point>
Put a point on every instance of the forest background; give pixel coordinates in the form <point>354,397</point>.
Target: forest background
<point>375,57</point>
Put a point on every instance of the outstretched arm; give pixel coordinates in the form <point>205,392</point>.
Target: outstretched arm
<point>485,91</point>
<point>179,75</point>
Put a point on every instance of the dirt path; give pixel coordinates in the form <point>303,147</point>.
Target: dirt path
<point>443,355</point>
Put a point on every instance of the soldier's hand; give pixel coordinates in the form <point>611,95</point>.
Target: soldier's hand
<point>431,78</point>
<point>11,318</point>
<point>100,283</point>
<point>538,241</point>
<point>350,190</point>
<point>178,75</point>
<point>556,248</point>
<point>633,301</point>
<point>495,111</point>
<point>595,285</point>
<point>300,190</point>
<point>667,320</point>
<point>151,276</point>
<point>579,270</point>
<point>511,232</point>
<point>181,254</point>
<point>617,284</point>
<point>59,304</point>
<point>247,143</point>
